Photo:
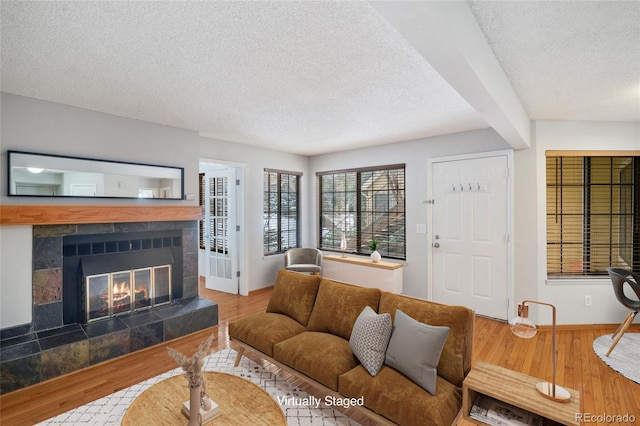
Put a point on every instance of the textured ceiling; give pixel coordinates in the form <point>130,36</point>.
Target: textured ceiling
<point>568,60</point>
<point>311,77</point>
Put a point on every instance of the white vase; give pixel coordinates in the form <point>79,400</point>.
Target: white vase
<point>343,245</point>
<point>375,256</point>
<point>206,403</point>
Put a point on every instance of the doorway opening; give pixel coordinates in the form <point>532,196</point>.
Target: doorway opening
<point>221,230</point>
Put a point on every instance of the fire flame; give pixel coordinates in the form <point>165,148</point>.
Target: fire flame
<point>121,288</point>
<point>142,290</point>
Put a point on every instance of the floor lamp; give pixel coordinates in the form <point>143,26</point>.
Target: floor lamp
<point>521,326</point>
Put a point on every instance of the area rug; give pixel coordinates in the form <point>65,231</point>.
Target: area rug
<point>624,358</point>
<point>110,410</point>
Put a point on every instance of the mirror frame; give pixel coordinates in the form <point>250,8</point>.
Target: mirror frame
<point>94,165</point>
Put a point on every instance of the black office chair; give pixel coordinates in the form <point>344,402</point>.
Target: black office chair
<point>303,260</point>
<point>620,277</point>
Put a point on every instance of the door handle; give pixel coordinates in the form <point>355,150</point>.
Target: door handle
<point>436,245</point>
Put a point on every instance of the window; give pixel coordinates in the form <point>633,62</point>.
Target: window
<point>593,214</point>
<point>363,205</point>
<point>201,196</point>
<point>281,212</point>
<point>217,215</point>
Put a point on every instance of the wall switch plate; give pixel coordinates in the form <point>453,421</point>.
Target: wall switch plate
<point>421,228</point>
<point>587,300</point>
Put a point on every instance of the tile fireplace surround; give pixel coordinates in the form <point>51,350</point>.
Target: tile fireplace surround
<point>51,346</point>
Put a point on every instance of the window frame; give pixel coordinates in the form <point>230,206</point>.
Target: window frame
<point>615,216</point>
<point>201,204</point>
<point>360,246</point>
<point>266,189</point>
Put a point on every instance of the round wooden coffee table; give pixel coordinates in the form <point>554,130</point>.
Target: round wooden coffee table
<point>241,403</point>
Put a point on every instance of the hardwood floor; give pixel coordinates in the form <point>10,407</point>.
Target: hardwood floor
<point>42,401</point>
<point>603,391</point>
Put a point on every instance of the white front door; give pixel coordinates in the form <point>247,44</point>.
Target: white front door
<point>220,236</point>
<point>470,234</point>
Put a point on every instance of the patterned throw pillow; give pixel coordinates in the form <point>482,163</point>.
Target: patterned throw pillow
<point>369,339</point>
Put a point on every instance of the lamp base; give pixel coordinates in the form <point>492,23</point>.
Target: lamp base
<point>546,389</point>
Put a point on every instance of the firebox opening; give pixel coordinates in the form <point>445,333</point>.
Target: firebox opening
<point>107,275</point>
<point>123,292</point>
<point>121,283</point>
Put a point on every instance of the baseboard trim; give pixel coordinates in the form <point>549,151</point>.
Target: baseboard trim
<point>578,327</point>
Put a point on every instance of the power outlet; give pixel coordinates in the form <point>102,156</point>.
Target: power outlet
<point>587,300</point>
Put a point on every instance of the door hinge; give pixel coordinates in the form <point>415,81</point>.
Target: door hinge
<point>237,228</point>
<point>238,274</point>
<point>237,182</point>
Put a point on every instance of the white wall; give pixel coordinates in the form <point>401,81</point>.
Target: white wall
<point>530,222</point>
<point>415,155</point>
<point>50,128</point>
<point>37,126</point>
<point>15,275</point>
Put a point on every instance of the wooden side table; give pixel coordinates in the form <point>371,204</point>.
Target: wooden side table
<point>516,389</point>
<point>241,403</point>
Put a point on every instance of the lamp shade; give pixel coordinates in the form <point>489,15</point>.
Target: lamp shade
<point>523,327</point>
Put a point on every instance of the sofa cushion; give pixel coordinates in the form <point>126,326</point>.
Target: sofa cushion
<point>321,356</point>
<point>369,339</point>
<point>338,305</point>
<point>396,397</point>
<point>293,295</point>
<point>264,330</point>
<point>455,360</point>
<point>415,348</point>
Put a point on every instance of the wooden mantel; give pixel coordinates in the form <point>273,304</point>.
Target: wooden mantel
<point>73,214</point>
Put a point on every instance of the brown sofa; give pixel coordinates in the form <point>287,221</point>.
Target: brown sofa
<point>306,330</point>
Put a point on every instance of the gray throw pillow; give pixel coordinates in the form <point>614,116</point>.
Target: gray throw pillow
<point>369,339</point>
<point>415,348</point>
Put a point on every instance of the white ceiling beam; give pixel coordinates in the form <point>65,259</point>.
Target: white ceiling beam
<point>448,36</point>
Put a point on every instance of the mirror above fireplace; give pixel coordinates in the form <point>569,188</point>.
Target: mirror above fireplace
<point>46,175</point>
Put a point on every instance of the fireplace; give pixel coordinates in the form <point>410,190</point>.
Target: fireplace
<point>106,275</point>
<point>123,292</point>
<point>103,290</point>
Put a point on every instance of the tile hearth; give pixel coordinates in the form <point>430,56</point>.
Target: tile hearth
<point>39,356</point>
<point>59,340</point>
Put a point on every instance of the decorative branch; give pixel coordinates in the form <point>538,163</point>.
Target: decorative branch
<point>192,367</point>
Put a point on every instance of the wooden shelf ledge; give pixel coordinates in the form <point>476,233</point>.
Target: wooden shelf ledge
<point>75,214</point>
<point>363,261</point>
